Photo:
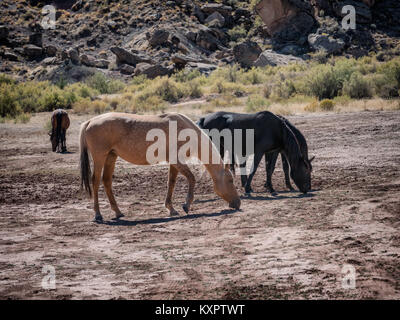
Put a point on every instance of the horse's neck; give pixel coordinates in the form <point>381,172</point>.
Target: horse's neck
<point>291,146</point>
<point>214,170</point>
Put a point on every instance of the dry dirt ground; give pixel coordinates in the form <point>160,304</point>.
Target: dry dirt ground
<point>275,247</point>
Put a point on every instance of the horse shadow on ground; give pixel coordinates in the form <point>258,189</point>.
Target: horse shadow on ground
<point>127,223</point>
<point>278,196</point>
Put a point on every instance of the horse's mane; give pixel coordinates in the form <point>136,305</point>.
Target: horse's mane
<point>298,136</point>
<point>291,143</point>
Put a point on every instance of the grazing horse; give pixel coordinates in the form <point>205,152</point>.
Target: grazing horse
<point>271,158</point>
<point>59,125</point>
<point>112,135</point>
<point>272,134</point>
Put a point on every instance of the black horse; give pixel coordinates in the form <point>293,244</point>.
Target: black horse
<point>272,135</point>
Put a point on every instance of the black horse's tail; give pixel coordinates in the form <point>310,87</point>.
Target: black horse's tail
<point>84,160</point>
<point>200,123</point>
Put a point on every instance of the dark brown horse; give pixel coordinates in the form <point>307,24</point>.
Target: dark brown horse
<point>59,125</point>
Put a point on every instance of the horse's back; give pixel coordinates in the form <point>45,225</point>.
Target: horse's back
<point>128,134</point>
<point>60,116</point>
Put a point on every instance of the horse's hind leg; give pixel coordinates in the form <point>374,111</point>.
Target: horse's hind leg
<point>64,141</point>
<point>184,169</point>
<point>107,182</point>
<point>172,174</point>
<point>270,163</point>
<point>285,167</point>
<point>98,167</point>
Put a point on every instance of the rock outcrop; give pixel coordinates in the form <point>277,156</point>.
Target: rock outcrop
<point>161,37</point>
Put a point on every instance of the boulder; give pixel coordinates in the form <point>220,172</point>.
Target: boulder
<point>32,51</point>
<point>181,60</point>
<point>286,20</point>
<point>196,11</point>
<point>215,19</point>
<point>158,37</point>
<point>207,40</point>
<point>127,69</point>
<point>123,56</point>
<point>210,8</point>
<point>10,56</point>
<point>82,32</point>
<point>51,50</point>
<point>246,53</point>
<point>151,71</point>
<point>326,43</point>
<point>271,58</point>
<point>3,33</point>
<point>204,68</point>
<point>49,61</point>
<point>73,55</point>
<point>36,39</point>
<point>92,62</point>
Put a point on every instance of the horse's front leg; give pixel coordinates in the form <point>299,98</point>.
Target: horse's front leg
<point>270,163</point>
<point>184,169</point>
<point>172,174</point>
<point>285,167</point>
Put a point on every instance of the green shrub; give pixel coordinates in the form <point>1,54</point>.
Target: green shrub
<point>327,105</point>
<point>357,87</point>
<point>104,85</point>
<point>312,107</point>
<point>194,89</point>
<point>257,103</point>
<point>168,91</point>
<point>6,79</point>
<point>237,32</point>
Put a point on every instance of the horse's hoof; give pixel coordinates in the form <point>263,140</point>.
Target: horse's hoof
<point>174,213</point>
<point>185,208</point>
<point>119,215</point>
<point>98,219</point>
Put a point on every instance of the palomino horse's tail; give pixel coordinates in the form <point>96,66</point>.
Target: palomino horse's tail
<point>84,162</point>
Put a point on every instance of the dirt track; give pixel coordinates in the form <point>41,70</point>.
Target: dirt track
<point>284,246</point>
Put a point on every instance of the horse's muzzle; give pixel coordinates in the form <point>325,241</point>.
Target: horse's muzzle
<point>235,204</point>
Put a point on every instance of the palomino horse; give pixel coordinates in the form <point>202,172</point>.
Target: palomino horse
<point>118,134</point>
<point>59,125</point>
<point>271,134</point>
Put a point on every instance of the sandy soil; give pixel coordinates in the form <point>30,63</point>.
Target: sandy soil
<point>276,247</point>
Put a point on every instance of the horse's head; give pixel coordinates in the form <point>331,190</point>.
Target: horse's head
<point>301,174</point>
<point>225,188</point>
<point>53,139</point>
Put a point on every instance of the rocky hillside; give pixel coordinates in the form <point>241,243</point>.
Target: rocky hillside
<point>127,38</point>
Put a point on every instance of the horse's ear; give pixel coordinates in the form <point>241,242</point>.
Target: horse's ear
<point>312,159</point>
